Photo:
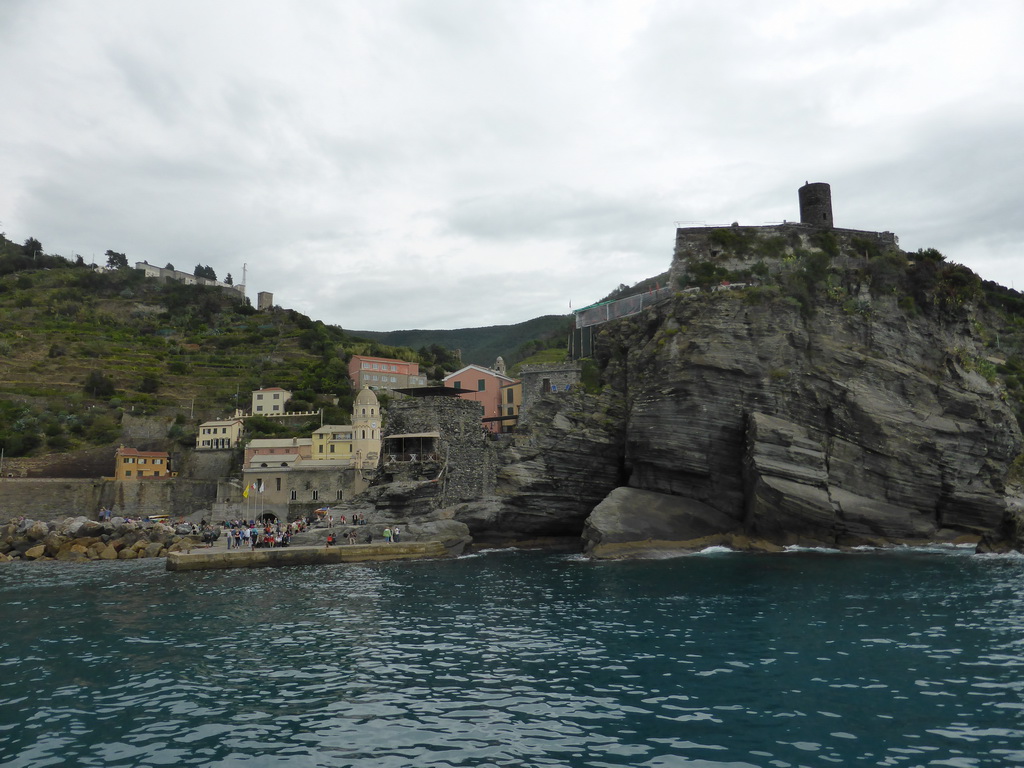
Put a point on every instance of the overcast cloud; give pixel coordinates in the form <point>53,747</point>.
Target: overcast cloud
<point>452,163</point>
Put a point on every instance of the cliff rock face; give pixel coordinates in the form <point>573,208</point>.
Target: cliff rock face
<point>552,476</point>
<point>838,428</point>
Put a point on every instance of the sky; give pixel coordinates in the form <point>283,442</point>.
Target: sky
<point>390,164</point>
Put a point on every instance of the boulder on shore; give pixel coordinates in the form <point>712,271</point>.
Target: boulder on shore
<point>630,521</point>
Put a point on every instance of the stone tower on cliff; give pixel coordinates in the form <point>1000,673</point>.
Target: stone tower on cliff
<point>816,204</point>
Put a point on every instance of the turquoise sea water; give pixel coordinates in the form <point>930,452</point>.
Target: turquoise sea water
<point>518,659</point>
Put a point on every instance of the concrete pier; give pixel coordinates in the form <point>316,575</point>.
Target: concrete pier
<point>216,559</point>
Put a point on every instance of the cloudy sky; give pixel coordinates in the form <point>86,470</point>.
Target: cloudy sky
<point>393,164</point>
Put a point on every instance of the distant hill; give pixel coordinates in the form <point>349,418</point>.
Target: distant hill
<point>478,345</point>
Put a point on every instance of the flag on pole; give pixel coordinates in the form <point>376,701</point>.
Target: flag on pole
<point>245,492</point>
<point>262,487</point>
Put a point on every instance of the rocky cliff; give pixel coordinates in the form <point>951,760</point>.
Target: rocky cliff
<point>766,422</point>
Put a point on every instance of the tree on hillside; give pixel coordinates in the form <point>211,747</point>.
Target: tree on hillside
<point>229,280</point>
<point>32,247</point>
<point>116,260</point>
<point>98,385</point>
<point>169,266</point>
<point>207,272</point>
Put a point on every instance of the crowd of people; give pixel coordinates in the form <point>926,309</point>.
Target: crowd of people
<point>255,534</point>
<point>249,535</point>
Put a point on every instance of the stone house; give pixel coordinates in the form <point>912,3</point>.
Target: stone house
<point>547,380</point>
<point>436,441</point>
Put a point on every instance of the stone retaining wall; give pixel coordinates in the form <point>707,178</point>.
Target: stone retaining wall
<point>51,499</point>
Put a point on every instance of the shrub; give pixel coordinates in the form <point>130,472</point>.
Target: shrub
<point>866,247</point>
<point>98,385</point>
<point>826,241</point>
<point>733,239</point>
<point>150,384</point>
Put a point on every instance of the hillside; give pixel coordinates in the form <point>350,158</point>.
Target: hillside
<point>79,348</point>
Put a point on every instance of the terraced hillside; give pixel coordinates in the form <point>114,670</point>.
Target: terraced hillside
<point>81,347</point>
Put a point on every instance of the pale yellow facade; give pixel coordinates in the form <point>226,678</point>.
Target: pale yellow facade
<point>219,435</point>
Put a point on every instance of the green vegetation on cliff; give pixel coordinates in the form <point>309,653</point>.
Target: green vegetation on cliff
<point>860,272</point>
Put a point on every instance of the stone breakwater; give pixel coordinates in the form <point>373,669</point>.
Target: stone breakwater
<point>275,558</point>
<point>82,539</point>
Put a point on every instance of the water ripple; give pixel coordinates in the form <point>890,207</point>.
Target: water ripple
<point>517,659</point>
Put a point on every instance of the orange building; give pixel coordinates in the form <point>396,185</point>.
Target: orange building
<point>130,464</point>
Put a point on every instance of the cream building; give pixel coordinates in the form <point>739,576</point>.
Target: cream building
<point>270,401</point>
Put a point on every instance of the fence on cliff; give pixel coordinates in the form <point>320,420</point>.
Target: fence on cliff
<point>596,314</point>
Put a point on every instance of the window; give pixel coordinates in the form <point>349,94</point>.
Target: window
<point>508,397</point>
<point>295,495</point>
<point>278,481</point>
<point>127,473</point>
<point>457,384</point>
<point>341,495</point>
<point>366,366</point>
<point>259,397</point>
<point>481,385</point>
<point>316,495</point>
<point>259,408</point>
<point>320,449</point>
<point>277,396</point>
<point>332,447</point>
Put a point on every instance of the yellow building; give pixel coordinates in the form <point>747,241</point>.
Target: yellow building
<point>511,402</point>
<point>358,442</point>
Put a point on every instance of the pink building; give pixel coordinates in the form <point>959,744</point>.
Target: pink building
<point>484,386</point>
<point>384,373</point>
<point>277,452</point>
